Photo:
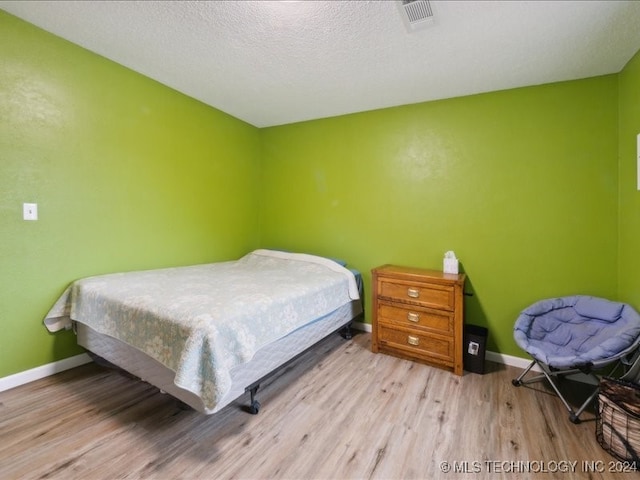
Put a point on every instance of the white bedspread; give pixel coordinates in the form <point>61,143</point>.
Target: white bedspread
<point>201,321</point>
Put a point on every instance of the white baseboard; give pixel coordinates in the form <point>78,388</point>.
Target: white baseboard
<point>43,371</point>
<point>511,360</point>
<point>56,367</point>
<point>365,327</point>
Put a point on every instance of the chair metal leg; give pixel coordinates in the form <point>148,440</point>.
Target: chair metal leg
<point>555,388</point>
<point>574,415</point>
<point>518,381</point>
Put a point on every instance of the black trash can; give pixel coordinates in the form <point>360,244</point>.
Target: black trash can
<point>475,346</point>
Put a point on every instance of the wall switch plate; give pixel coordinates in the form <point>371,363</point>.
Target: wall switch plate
<point>30,211</point>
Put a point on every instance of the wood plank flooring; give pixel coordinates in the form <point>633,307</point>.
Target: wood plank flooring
<point>339,412</point>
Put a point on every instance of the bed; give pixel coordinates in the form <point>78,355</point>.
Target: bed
<point>207,334</point>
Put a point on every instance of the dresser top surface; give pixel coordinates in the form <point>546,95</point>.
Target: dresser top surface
<point>416,273</point>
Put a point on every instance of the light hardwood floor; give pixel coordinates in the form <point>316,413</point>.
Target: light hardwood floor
<point>340,411</point>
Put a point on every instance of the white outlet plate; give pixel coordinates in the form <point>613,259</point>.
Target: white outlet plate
<point>30,211</point>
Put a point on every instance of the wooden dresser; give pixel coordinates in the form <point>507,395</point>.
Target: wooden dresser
<point>418,315</point>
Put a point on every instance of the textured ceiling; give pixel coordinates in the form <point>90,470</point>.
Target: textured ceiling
<point>271,63</point>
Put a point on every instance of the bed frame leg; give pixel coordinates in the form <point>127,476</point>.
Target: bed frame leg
<point>254,406</point>
<point>346,332</point>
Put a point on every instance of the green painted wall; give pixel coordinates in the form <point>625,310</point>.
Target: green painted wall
<point>629,115</point>
<point>127,173</point>
<point>521,184</point>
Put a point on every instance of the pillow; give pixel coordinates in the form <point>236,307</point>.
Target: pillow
<point>599,308</point>
<point>337,260</point>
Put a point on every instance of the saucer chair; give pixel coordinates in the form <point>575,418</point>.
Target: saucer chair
<point>577,334</point>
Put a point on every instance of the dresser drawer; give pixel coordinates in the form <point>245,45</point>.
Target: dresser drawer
<point>415,317</point>
<point>424,294</point>
<point>418,344</point>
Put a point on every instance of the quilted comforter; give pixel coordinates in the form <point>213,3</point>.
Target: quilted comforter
<point>201,321</point>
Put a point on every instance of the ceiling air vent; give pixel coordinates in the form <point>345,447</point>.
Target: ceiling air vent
<point>416,13</point>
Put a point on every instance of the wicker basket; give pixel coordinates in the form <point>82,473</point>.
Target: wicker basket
<point>618,419</point>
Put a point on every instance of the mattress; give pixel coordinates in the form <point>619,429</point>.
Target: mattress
<point>265,361</point>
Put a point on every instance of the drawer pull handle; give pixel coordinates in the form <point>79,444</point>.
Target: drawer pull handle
<point>413,317</point>
<point>413,292</point>
<point>411,340</point>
